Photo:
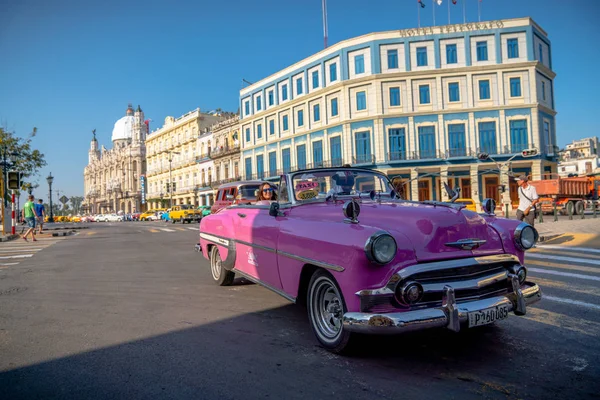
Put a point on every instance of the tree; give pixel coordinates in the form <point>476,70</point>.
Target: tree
<point>76,203</point>
<point>29,160</point>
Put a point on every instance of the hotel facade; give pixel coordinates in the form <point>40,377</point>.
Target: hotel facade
<point>416,104</point>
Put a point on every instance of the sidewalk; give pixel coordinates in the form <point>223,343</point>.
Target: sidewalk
<point>549,228</point>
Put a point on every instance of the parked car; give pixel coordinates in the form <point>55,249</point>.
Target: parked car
<point>112,218</point>
<point>205,210</point>
<point>469,204</point>
<point>241,192</point>
<point>364,261</point>
<point>184,213</point>
<point>145,216</point>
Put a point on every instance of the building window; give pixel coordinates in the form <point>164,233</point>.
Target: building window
<point>421,56</point>
<point>451,54</point>
<point>286,160</point>
<point>392,58</point>
<point>453,92</point>
<point>513,48</point>
<point>394,96</point>
<point>397,143</point>
<point>273,163</point>
<point>300,117</point>
<point>259,131</point>
<point>363,148</point>
<point>482,54</point>
<point>359,64</point>
<point>260,167</point>
<point>247,107</point>
<point>487,137</point>
<point>317,153</point>
<point>248,169</point>
<point>247,135</point>
<point>427,142</point>
<point>540,50</point>
<point>285,123</point>
<point>284,94</point>
<point>258,103</point>
<point>518,135</point>
<point>272,127</point>
<point>301,156</point>
<point>361,101</point>
<point>334,107</point>
<point>271,99</point>
<point>424,94</point>
<point>456,140</point>
<point>484,90</point>
<point>316,113</point>
<point>333,72</point>
<point>547,135</point>
<point>315,79</point>
<point>515,87</point>
<point>299,86</point>
<point>335,149</point>
<point>543,90</point>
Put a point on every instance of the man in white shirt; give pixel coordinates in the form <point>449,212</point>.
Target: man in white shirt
<point>528,198</point>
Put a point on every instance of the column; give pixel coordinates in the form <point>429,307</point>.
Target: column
<point>536,170</point>
<point>414,185</point>
<point>505,180</point>
<point>444,179</point>
<point>475,186</point>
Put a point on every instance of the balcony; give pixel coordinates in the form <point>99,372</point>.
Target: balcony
<point>203,157</point>
<point>397,156</point>
<point>224,151</point>
<point>363,159</point>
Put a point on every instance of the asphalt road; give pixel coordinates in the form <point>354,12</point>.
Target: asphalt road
<point>129,310</point>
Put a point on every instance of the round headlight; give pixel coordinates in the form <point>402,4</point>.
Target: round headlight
<point>381,248</point>
<point>525,236</point>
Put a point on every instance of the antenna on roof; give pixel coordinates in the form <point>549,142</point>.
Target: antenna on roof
<point>245,81</point>
<point>325,30</point>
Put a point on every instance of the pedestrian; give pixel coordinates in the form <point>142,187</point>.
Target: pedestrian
<point>30,215</point>
<point>41,213</point>
<point>528,198</point>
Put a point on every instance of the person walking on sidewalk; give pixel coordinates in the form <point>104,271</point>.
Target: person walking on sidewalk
<point>528,198</point>
<point>41,213</point>
<point>30,215</point>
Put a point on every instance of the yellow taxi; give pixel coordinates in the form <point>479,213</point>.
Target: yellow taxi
<point>469,203</point>
<point>146,215</point>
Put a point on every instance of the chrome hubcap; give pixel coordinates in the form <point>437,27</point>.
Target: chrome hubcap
<point>327,309</point>
<point>215,265</point>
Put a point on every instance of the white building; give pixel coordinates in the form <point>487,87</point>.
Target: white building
<point>579,157</point>
<point>409,103</point>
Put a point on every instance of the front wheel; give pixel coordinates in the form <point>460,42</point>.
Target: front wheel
<point>219,274</point>
<point>326,308</point>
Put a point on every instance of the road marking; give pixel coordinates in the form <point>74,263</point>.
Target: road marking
<point>20,248</point>
<point>562,258</point>
<point>193,229</point>
<point>154,230</point>
<point>562,321</point>
<point>533,263</point>
<point>167,229</point>
<point>16,256</point>
<point>580,276</point>
<point>7,264</point>
<point>588,290</point>
<point>568,248</point>
<point>553,253</point>
<point>574,302</point>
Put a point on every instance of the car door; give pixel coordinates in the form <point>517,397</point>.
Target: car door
<point>256,235</point>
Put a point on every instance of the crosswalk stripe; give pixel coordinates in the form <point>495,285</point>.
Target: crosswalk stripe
<point>574,302</point>
<point>192,229</point>
<point>167,229</point>
<point>8,264</point>
<point>569,274</point>
<point>16,256</point>
<point>587,290</point>
<point>543,264</point>
<point>563,258</point>
<point>15,249</point>
<point>552,252</point>
<point>567,248</point>
<point>562,321</point>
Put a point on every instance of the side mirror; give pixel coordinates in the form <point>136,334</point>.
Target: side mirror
<point>274,210</point>
<point>229,197</point>
<point>483,156</point>
<point>529,153</point>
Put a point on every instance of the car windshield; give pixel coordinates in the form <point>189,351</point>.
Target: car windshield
<point>248,191</point>
<point>318,184</point>
<point>186,206</point>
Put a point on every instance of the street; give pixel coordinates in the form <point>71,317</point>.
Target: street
<point>129,310</point>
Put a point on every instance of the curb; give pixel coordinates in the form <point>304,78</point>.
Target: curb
<point>8,238</point>
<point>55,234</point>
<point>69,228</point>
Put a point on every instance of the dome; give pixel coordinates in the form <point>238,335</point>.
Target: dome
<point>123,128</point>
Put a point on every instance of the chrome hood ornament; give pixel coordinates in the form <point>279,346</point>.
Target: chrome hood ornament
<point>466,244</point>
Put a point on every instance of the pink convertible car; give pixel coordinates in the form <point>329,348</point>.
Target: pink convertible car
<point>364,261</point>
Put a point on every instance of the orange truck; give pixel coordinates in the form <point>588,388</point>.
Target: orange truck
<point>572,195</point>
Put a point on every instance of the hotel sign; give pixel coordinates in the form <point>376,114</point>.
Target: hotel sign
<point>431,30</point>
<point>143,188</point>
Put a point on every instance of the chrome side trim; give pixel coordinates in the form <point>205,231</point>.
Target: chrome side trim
<point>311,261</point>
<point>215,239</point>
<point>256,246</point>
<point>450,315</point>
<point>266,285</point>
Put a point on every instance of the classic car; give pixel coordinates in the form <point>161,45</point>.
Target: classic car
<point>365,261</point>
<point>205,210</point>
<point>148,215</point>
<point>184,213</point>
<point>469,204</point>
<point>241,192</point>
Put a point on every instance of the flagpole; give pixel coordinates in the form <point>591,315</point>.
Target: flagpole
<point>464,11</point>
<point>419,13</point>
<point>479,10</point>
<point>449,11</point>
<point>433,11</point>
<point>325,33</point>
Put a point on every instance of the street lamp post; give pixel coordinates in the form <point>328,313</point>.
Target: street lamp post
<point>50,179</point>
<point>161,199</point>
<point>171,177</point>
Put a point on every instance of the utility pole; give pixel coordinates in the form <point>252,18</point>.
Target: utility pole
<point>171,177</point>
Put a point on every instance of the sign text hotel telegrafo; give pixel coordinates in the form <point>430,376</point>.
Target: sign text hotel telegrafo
<point>471,26</point>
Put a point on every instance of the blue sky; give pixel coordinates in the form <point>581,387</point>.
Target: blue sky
<point>71,66</point>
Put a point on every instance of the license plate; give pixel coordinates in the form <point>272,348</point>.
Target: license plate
<point>487,316</point>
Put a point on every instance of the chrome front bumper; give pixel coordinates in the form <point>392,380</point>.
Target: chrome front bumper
<point>450,315</point>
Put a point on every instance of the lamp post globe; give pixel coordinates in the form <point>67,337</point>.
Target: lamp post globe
<point>50,179</point>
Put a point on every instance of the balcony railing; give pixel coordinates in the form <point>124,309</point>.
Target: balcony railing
<point>224,151</point>
<point>203,157</point>
<point>552,149</point>
<point>216,184</point>
<point>363,159</point>
<point>397,156</point>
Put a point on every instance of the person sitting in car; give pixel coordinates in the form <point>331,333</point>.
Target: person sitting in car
<point>266,194</point>
<point>344,181</point>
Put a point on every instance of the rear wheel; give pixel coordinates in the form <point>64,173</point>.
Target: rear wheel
<point>326,308</point>
<point>579,207</point>
<point>219,274</point>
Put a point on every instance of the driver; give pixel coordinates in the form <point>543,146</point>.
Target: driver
<point>344,181</point>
